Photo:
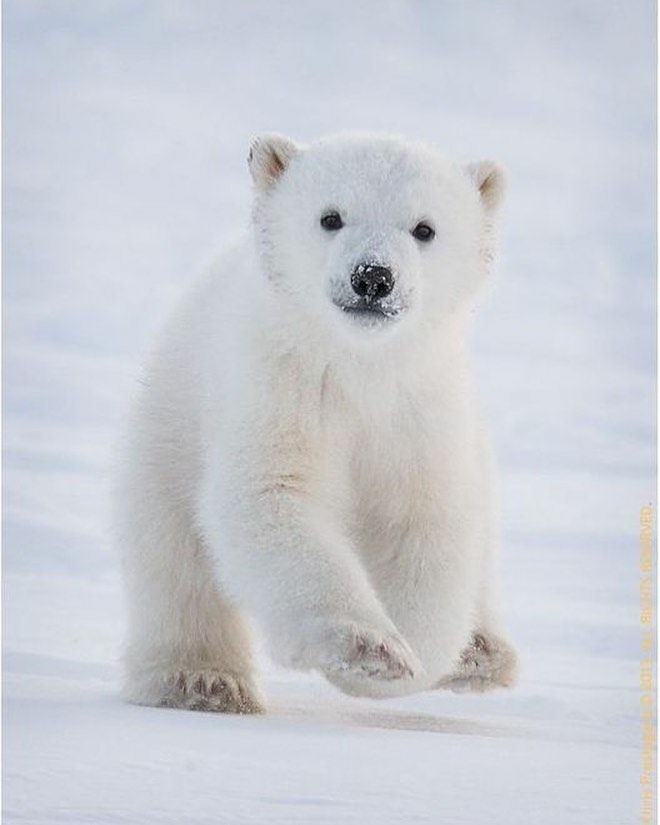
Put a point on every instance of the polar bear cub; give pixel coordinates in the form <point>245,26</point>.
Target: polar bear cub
<point>307,454</point>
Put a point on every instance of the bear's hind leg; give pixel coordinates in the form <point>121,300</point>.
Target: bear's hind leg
<point>488,662</point>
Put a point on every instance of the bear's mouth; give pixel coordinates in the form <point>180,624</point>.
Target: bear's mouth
<point>369,311</point>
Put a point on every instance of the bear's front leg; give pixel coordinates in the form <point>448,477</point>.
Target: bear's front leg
<point>283,557</point>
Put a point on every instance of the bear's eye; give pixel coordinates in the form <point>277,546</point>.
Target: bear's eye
<point>332,221</point>
<point>423,232</point>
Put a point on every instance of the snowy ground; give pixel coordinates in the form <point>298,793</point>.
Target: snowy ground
<point>126,132</point>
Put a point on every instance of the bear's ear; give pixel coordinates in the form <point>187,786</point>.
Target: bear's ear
<point>490,180</point>
<point>268,157</point>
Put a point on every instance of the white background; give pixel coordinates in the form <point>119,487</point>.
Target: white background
<point>126,132</point>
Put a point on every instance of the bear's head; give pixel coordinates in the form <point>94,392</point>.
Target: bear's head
<point>366,232</point>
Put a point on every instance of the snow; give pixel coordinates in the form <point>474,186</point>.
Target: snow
<point>127,127</point>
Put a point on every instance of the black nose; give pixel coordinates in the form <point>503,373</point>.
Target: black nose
<point>371,281</point>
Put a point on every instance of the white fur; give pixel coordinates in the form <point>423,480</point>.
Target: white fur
<point>324,476</point>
